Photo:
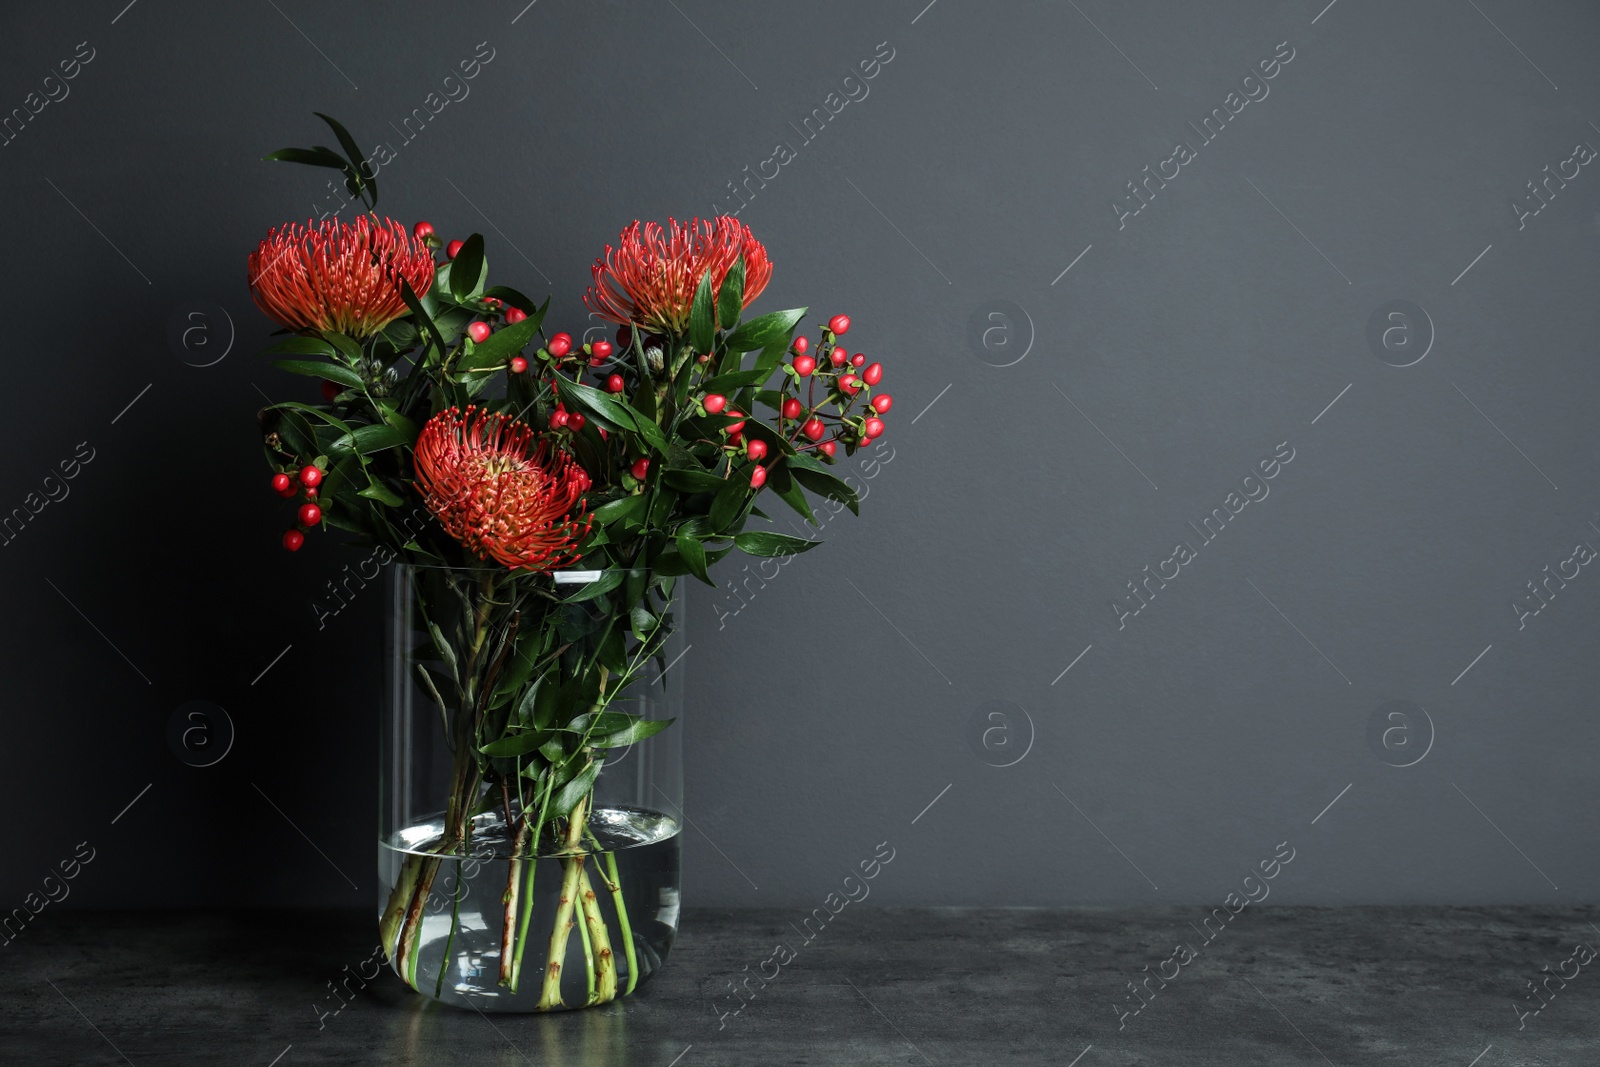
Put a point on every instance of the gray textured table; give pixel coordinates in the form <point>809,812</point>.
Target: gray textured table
<point>939,986</point>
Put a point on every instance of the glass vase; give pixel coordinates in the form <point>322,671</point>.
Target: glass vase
<point>529,837</point>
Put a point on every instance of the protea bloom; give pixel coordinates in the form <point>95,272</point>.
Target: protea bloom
<point>337,275</point>
<point>476,475</point>
<point>651,276</point>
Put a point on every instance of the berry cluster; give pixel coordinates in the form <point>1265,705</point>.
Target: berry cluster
<point>846,381</point>
<point>304,483</point>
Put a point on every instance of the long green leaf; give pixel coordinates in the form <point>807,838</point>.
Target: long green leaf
<point>767,543</point>
<point>466,270</point>
<point>311,368</point>
<point>694,555</point>
<point>702,322</point>
<point>730,299</point>
<point>764,331</point>
<point>576,789</point>
<point>362,167</point>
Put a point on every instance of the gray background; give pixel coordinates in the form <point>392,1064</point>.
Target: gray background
<point>847,695</point>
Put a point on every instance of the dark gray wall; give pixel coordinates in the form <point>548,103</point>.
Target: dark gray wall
<point>1036,461</point>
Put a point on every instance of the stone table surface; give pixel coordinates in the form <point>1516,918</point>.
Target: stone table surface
<point>1278,985</point>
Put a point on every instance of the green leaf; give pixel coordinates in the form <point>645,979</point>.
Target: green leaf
<point>311,157</point>
<point>302,346</point>
<point>446,653</point>
<point>368,439</point>
<point>782,482</point>
<point>702,324</point>
<point>518,744</point>
<point>503,344</point>
<point>615,412</point>
<point>739,379</point>
<point>576,789</point>
<point>817,478</point>
<point>311,368</point>
<point>466,270</point>
<point>767,543</point>
<point>607,582</point>
<point>693,481</point>
<point>694,555</point>
<point>728,504</point>
<point>730,299</point>
<point>764,331</point>
<point>344,344</point>
<point>348,143</point>
<point>376,490</point>
<point>637,730</point>
<point>626,507</point>
<point>425,323</point>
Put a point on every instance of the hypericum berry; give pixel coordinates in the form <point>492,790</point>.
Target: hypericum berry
<point>858,359</point>
<point>310,515</point>
<point>310,476</point>
<point>330,391</point>
<point>839,356</point>
<point>804,365</point>
<point>518,364</point>
<point>576,420</point>
<point>293,539</point>
<point>882,404</point>
<point>479,332</point>
<point>873,374</point>
<point>755,448</point>
<point>736,427</point>
<point>814,429</point>
<point>422,230</point>
<point>714,403</point>
<point>615,384</point>
<point>515,315</point>
<point>758,477</point>
<point>600,350</point>
<point>558,419</point>
<point>800,345</point>
<point>839,324</point>
<point>640,468</point>
<point>584,481</point>
<point>849,384</point>
<point>281,482</point>
<point>829,447</point>
<point>874,427</point>
<point>791,408</point>
<point>736,440</point>
<point>453,249</point>
<point>560,345</point>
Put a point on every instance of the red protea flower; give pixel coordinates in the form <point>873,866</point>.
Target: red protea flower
<point>337,275</point>
<point>650,278</point>
<point>475,474</point>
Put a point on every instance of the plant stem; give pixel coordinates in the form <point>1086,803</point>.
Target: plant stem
<point>527,886</point>
<point>550,995</point>
<point>508,928</point>
<point>614,884</point>
<point>455,922</point>
<point>603,966</point>
<point>587,938</point>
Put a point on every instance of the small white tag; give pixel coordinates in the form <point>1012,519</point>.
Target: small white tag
<point>576,577</point>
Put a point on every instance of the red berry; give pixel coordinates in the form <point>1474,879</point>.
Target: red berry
<point>734,428</point>
<point>421,230</point>
<point>755,448</point>
<point>839,324</point>
<point>791,408</point>
<point>518,364</point>
<point>600,350</point>
<point>615,384</point>
<point>558,419</point>
<point>310,476</point>
<point>800,346</point>
<point>640,468</point>
<point>758,477</point>
<point>873,374</point>
<point>714,403</point>
<point>839,356</point>
<point>849,384</point>
<point>882,404</point>
<point>874,428</point>
<point>330,391</point>
<point>581,476</point>
<point>293,539</point>
<point>858,359</point>
<point>576,421</point>
<point>515,315</point>
<point>814,429</point>
<point>281,482</point>
<point>453,248</point>
<point>479,332</point>
<point>804,365</point>
<point>829,447</point>
<point>735,440</point>
<point>560,345</point>
<point>310,515</point>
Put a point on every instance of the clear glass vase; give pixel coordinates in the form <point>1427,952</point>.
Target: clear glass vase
<point>529,839</point>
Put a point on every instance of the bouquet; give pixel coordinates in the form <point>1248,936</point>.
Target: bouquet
<point>489,459</point>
